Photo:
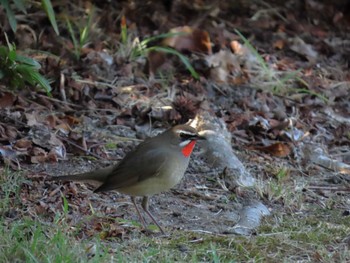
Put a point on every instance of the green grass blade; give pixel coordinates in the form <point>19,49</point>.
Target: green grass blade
<point>20,5</point>
<point>51,14</point>
<point>43,82</point>
<point>10,15</point>
<point>124,30</point>
<point>183,58</point>
<point>307,91</point>
<point>32,76</point>
<point>84,35</point>
<point>162,36</point>
<point>253,50</point>
<point>26,73</point>
<point>74,39</point>
<point>28,61</point>
<point>12,56</point>
<point>65,205</point>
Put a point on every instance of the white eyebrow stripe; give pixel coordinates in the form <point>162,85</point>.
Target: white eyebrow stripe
<point>185,132</point>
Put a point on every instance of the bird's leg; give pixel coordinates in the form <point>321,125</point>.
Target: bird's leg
<point>145,208</point>
<point>133,200</point>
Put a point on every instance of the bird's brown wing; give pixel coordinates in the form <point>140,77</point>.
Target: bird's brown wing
<point>132,169</point>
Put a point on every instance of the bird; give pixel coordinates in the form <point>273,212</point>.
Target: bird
<point>154,166</point>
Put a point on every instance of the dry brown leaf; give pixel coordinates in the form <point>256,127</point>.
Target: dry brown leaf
<point>279,44</point>
<point>7,100</point>
<point>51,121</point>
<point>63,127</point>
<point>224,67</point>
<point>39,155</point>
<point>299,46</point>
<point>236,47</point>
<point>155,60</point>
<point>22,145</point>
<point>52,157</point>
<point>41,208</point>
<point>32,119</point>
<point>239,49</point>
<point>192,40</point>
<point>337,17</point>
<point>11,132</point>
<point>277,149</point>
<point>71,120</point>
<point>38,159</point>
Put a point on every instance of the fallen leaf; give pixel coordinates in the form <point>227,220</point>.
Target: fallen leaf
<point>22,145</point>
<point>299,46</point>
<point>189,39</point>
<point>155,60</point>
<point>224,67</point>
<point>7,100</point>
<point>32,119</point>
<point>51,121</point>
<point>277,149</point>
<point>71,120</point>
<point>279,44</point>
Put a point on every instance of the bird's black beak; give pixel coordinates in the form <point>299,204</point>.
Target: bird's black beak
<point>200,137</point>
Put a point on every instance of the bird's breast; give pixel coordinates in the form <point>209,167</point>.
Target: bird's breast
<point>169,175</point>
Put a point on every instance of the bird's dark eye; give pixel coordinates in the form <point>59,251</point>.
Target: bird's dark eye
<point>186,136</point>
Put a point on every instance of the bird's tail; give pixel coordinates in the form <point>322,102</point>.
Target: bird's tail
<point>98,176</point>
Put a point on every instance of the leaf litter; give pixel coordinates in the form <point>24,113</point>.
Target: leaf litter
<point>280,94</point>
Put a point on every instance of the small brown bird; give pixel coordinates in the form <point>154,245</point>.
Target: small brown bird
<point>154,166</point>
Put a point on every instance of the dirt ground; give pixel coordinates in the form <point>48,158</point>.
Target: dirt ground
<point>276,75</point>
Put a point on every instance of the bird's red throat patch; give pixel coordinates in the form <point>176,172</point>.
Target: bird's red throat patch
<point>187,150</point>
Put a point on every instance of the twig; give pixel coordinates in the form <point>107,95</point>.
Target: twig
<point>60,101</point>
<point>206,232</point>
<point>79,147</point>
<point>328,188</point>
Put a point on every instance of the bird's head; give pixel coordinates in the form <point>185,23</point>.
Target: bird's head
<point>185,137</point>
